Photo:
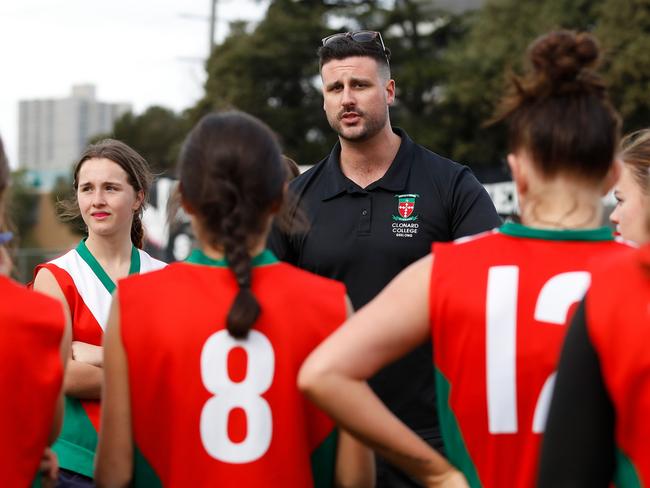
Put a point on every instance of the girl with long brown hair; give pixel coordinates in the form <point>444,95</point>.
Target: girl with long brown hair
<point>111,183</point>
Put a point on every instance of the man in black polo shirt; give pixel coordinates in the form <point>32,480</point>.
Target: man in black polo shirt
<point>375,205</point>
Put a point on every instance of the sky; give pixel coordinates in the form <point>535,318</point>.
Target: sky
<point>143,52</point>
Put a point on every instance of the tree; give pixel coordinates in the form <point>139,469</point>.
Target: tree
<point>449,68</point>
<point>157,134</point>
<point>623,30</point>
<point>270,73</point>
<point>479,62</point>
<point>22,208</point>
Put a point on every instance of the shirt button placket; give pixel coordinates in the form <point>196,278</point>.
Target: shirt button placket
<point>366,214</point>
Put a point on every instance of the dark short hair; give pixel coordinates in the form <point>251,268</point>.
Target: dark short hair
<point>345,47</point>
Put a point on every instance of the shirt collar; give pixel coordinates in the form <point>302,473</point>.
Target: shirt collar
<point>394,180</point>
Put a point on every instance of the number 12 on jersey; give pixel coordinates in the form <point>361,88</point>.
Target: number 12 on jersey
<point>552,306</point>
<point>228,395</point>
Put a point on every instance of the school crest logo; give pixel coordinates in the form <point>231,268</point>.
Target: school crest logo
<point>405,208</point>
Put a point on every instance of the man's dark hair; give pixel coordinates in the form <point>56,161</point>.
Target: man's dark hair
<point>346,47</point>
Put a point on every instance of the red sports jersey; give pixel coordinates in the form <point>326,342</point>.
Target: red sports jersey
<point>499,304</point>
<point>31,329</point>
<point>87,290</point>
<point>209,410</point>
<point>618,324</point>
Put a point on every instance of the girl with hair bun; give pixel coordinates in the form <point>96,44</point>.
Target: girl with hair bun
<point>202,357</point>
<point>111,183</point>
<point>494,304</point>
<point>632,191</point>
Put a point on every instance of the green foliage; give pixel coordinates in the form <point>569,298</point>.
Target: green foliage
<point>623,30</point>
<point>270,74</point>
<point>449,70</point>
<point>157,135</point>
<point>494,46</point>
<point>22,207</point>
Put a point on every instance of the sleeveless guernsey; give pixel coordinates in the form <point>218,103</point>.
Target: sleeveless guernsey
<point>209,410</point>
<point>87,289</point>
<point>618,324</point>
<point>31,329</point>
<point>499,303</point>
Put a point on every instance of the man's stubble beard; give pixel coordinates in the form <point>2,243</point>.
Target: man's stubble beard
<point>372,126</point>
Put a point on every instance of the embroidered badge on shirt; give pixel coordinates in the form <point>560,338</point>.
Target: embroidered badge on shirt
<point>404,224</point>
<point>405,208</point>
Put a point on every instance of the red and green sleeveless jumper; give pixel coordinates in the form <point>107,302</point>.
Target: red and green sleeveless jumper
<point>210,410</point>
<point>88,291</point>
<point>499,304</point>
<point>618,324</point>
<point>31,329</point>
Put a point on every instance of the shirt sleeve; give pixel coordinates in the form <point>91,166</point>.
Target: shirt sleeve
<point>472,208</point>
<point>278,242</point>
<point>578,448</point>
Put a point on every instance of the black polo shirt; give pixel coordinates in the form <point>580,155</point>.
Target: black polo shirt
<point>365,236</point>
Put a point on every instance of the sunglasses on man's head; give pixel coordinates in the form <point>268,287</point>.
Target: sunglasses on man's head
<point>358,36</point>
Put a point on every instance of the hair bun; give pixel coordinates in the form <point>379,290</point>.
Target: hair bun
<point>565,60</point>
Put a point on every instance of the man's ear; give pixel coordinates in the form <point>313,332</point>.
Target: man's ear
<point>390,92</point>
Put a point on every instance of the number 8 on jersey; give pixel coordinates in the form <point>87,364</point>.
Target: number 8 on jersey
<point>229,395</point>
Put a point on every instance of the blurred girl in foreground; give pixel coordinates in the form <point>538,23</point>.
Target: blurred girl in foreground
<point>34,346</point>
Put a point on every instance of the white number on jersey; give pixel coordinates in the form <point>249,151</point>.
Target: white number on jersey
<point>553,303</point>
<point>229,395</point>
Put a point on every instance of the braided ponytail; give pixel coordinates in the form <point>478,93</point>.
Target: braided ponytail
<point>245,308</point>
<point>137,231</point>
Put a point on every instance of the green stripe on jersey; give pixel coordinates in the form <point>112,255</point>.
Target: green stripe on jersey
<point>37,483</point>
<point>626,475</point>
<point>198,257</point>
<point>519,230</point>
<point>143,474</point>
<point>77,443</point>
<point>102,276</point>
<point>451,434</point>
<point>323,461</point>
